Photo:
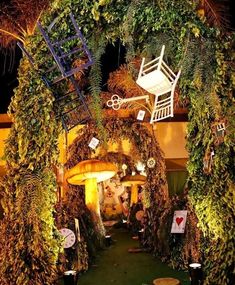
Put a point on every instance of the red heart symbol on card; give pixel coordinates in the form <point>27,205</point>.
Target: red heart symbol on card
<point>179,220</point>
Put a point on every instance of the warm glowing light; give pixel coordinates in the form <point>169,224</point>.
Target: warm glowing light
<point>133,181</point>
<point>134,194</point>
<point>89,173</point>
<point>92,195</point>
<point>140,166</point>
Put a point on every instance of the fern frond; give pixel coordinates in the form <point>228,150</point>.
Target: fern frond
<point>95,78</point>
<point>122,82</point>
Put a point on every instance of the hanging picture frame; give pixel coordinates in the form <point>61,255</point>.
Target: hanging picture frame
<point>219,131</point>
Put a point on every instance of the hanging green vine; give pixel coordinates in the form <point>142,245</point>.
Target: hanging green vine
<point>207,81</point>
<point>30,238</point>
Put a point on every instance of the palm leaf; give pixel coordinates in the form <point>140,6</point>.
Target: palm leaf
<point>121,82</point>
<point>18,19</point>
<point>217,13</point>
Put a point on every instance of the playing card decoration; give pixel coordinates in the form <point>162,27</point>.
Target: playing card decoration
<point>141,115</point>
<point>179,221</point>
<point>93,143</point>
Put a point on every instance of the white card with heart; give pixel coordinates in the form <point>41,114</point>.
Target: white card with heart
<point>140,115</point>
<point>179,221</point>
<point>93,143</point>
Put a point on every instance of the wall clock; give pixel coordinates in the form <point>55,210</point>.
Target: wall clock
<point>69,237</point>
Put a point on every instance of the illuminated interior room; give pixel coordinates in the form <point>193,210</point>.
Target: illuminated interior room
<point>117,142</point>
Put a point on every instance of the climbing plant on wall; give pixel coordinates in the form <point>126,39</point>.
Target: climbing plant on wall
<point>207,81</point>
<point>30,245</point>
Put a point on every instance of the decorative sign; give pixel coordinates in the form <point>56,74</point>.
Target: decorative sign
<point>77,229</point>
<point>179,221</point>
<point>140,115</point>
<point>219,131</point>
<point>93,143</point>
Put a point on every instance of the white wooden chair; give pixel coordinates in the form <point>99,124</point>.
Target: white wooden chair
<point>158,79</point>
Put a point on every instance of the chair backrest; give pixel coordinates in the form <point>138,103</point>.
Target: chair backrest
<point>164,104</point>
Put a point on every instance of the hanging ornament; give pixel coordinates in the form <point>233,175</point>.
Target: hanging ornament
<point>93,143</point>
<point>141,115</point>
<point>124,168</point>
<point>218,131</point>
<point>151,162</point>
<point>208,161</point>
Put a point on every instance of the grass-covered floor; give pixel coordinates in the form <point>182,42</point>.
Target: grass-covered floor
<point>115,265</point>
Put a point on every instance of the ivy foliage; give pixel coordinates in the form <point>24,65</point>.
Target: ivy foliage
<point>205,55</point>
<point>31,243</point>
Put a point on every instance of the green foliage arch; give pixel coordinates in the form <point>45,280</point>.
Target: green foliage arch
<point>207,83</point>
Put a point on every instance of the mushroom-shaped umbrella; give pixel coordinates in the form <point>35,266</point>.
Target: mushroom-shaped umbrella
<point>89,173</point>
<point>133,181</point>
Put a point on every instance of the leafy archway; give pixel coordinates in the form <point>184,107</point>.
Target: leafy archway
<point>144,147</point>
<point>207,82</point>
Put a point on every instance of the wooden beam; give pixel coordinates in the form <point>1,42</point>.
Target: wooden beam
<point>180,115</point>
<point>5,121</point>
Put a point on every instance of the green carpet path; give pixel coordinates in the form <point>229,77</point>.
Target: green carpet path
<point>115,265</point>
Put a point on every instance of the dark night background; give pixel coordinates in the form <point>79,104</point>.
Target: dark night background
<point>8,69</point>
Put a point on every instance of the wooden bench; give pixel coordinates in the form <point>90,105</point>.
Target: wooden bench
<point>166,281</point>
